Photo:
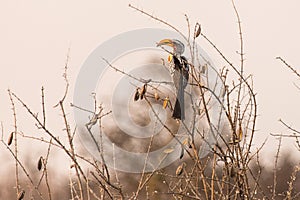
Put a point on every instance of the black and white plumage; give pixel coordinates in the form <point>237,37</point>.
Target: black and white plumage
<point>180,74</point>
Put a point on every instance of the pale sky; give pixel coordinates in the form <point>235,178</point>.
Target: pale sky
<point>36,35</point>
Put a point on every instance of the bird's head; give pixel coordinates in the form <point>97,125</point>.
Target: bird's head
<point>178,47</point>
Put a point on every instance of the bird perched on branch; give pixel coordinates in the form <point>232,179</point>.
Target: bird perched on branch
<point>180,74</point>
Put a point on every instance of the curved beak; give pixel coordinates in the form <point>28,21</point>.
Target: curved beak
<point>176,45</point>
<point>167,42</point>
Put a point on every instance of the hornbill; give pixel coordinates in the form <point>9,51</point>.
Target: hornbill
<point>180,74</point>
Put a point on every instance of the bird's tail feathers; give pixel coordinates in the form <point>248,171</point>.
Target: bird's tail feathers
<point>178,112</point>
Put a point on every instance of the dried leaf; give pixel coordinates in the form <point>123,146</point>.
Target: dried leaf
<point>166,102</point>
<point>21,195</point>
<point>10,138</point>
<point>168,151</point>
<point>137,94</point>
<point>40,163</point>
<point>198,30</point>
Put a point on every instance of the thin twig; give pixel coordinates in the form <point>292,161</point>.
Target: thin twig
<point>159,20</point>
<point>289,66</point>
<point>15,142</point>
<point>276,168</point>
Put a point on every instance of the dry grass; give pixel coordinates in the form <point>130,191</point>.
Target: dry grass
<point>231,170</point>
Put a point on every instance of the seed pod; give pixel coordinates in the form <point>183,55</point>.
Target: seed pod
<point>203,69</point>
<point>179,169</point>
<point>166,102</point>
<point>198,30</point>
<point>40,163</point>
<point>182,152</point>
<point>21,195</point>
<point>170,58</point>
<point>10,138</point>
<point>143,91</point>
<point>240,133</point>
<point>137,94</point>
<point>185,141</point>
<point>167,151</point>
<point>156,96</point>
